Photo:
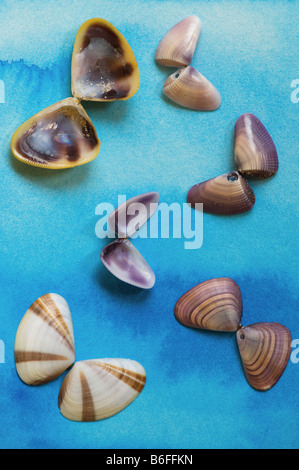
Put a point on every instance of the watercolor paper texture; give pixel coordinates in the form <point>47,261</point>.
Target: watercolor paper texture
<point>249,51</point>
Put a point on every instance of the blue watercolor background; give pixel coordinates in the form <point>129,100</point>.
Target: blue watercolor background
<point>196,395</point>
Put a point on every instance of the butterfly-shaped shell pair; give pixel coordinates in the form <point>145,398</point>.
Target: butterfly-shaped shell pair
<point>62,135</point>
<point>120,257</point>
<point>186,87</point>
<point>255,155</point>
<point>44,349</point>
<point>216,305</point>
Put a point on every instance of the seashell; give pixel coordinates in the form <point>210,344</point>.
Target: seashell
<point>226,194</point>
<point>104,67</point>
<point>100,388</point>
<point>44,344</point>
<point>189,88</point>
<point>124,220</point>
<point>212,305</point>
<point>255,152</point>
<point>125,262</point>
<point>265,349</point>
<point>178,45</point>
<point>60,136</point>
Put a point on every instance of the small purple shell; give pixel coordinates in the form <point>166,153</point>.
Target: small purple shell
<point>255,152</point>
<point>132,214</point>
<point>125,262</point>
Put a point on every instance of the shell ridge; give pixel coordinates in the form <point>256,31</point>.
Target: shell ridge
<point>51,323</point>
<point>88,410</point>
<point>57,315</point>
<point>28,356</point>
<point>120,374</point>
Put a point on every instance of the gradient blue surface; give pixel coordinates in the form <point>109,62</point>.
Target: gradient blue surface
<point>196,394</point>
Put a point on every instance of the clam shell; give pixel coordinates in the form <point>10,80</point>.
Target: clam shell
<point>104,67</point>
<point>190,89</point>
<point>255,152</point>
<point>125,262</point>
<point>44,344</point>
<point>132,214</point>
<point>100,388</point>
<point>265,349</point>
<point>60,136</point>
<point>178,45</point>
<point>226,194</point>
<point>211,305</point>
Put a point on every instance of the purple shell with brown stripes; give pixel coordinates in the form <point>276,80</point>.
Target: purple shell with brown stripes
<point>99,388</point>
<point>227,194</point>
<point>212,305</point>
<point>255,152</point>
<point>265,350</point>
<point>44,344</point>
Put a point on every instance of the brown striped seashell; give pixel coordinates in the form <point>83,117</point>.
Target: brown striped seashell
<point>178,45</point>
<point>104,67</point>
<point>190,89</point>
<point>224,195</point>
<point>255,152</point>
<point>211,305</point>
<point>265,349</point>
<point>44,344</point>
<point>60,136</point>
<point>100,388</point>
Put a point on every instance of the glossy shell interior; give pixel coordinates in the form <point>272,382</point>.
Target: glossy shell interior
<point>125,262</point>
<point>60,136</point>
<point>104,67</point>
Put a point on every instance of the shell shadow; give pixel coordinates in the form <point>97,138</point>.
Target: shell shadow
<point>50,178</point>
<point>112,111</point>
<point>118,288</point>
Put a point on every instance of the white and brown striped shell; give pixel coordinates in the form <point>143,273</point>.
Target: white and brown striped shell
<point>44,344</point>
<point>99,388</point>
<point>265,350</point>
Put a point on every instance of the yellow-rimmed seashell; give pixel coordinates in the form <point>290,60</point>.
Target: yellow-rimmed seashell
<point>60,136</point>
<point>104,67</point>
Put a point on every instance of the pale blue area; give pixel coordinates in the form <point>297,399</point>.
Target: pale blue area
<point>196,395</point>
